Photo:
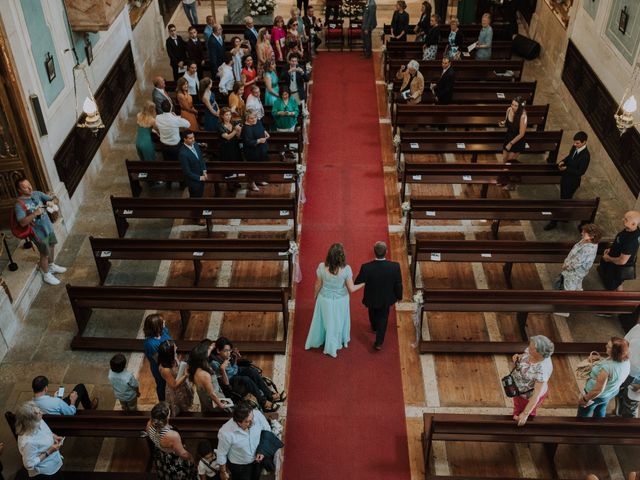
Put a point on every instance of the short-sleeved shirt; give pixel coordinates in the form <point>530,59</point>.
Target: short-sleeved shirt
<point>41,225</point>
<point>232,369</point>
<point>125,385</point>
<point>527,374</point>
<point>208,469</point>
<point>617,373</point>
<point>626,243</point>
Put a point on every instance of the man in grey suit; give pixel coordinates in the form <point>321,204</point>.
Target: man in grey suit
<point>369,23</point>
<point>159,94</point>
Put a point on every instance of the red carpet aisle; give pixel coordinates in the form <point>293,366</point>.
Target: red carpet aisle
<point>345,417</point>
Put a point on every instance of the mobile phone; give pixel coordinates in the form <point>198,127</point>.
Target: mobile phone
<point>60,392</point>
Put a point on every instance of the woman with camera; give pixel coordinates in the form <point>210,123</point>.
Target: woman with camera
<point>530,376</point>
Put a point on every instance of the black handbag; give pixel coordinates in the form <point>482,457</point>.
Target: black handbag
<point>509,385</point>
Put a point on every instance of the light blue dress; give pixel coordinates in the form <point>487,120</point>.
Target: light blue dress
<point>331,324</point>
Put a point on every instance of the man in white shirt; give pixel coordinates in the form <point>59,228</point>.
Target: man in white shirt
<point>169,125</point>
<point>191,76</point>
<point>225,72</point>
<point>625,406</point>
<point>238,441</point>
<point>253,102</point>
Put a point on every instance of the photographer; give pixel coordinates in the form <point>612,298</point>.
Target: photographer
<point>30,212</point>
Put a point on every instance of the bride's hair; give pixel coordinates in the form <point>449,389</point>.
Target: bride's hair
<point>335,258</point>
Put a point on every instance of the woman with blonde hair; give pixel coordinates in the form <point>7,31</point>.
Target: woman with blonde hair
<point>146,120</point>
<point>264,50</point>
<point>331,323</point>
<point>37,444</point>
<point>186,104</point>
<point>455,40</point>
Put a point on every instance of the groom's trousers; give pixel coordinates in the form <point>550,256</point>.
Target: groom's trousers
<point>378,317</point>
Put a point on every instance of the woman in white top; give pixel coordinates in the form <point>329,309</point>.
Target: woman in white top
<point>38,445</point>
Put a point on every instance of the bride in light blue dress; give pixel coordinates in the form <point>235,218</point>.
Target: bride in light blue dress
<point>331,324</point>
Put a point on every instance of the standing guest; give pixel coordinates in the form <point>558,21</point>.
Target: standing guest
<point>293,36</point>
<point>295,16</point>
<point>51,405</point>
<point>254,142</point>
<point>412,82</point>
<point>369,23</point>
<point>29,210</point>
<point>195,48</point>
<point>211,111</point>
<point>37,444</point>
<point>238,441</point>
<point>202,376</point>
<point>179,392</point>
<point>516,122</point>
<point>264,50</point>
<point>237,54</point>
<point>295,77</point>
<point>227,78</point>
<point>618,263</point>
<point>441,8</point>
<point>531,374</point>
<point>191,11</point>
<point>191,76</point>
<point>251,35</point>
<point>159,94</point>
<point>169,125</point>
<point>177,51</point>
<point>248,75</point>
<point>625,406</point>
<point>155,332</point>
<point>230,138</point>
<point>467,11</point>
<point>215,47</point>
<point>208,28</point>
<point>605,379</point>
<point>171,460</point>
<point>431,39</point>
<point>455,40</point>
<point>303,3</point>
<point>193,165</point>
<point>254,104</point>
<point>236,103</point>
<point>271,87</point>
<point>580,259</point>
<point>400,22</point>
<point>278,36</point>
<point>208,467</point>
<point>443,88</point>
<point>185,100</point>
<point>423,24</point>
<point>146,120</point>
<point>485,39</point>
<point>312,26</point>
<point>125,386</point>
<point>573,167</point>
<point>285,112</point>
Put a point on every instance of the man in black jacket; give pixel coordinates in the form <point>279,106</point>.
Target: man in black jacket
<point>177,51</point>
<point>383,288</point>
<point>573,167</point>
<point>295,78</point>
<point>251,34</point>
<point>443,89</point>
<point>215,47</point>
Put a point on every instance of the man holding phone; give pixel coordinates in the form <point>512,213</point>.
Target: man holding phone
<point>54,405</point>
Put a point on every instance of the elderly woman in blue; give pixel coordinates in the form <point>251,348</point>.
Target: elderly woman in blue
<point>485,39</point>
<point>38,445</point>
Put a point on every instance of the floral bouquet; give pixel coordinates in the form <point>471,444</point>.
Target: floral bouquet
<point>262,7</point>
<point>352,8</point>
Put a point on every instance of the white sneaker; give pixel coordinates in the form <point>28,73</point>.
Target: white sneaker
<point>50,279</point>
<point>53,268</point>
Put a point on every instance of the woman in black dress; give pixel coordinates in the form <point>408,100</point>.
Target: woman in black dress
<point>516,122</point>
<point>229,138</point>
<point>423,24</point>
<point>400,22</point>
<point>254,143</point>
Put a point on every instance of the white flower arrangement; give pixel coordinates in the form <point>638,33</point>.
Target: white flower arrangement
<point>293,248</point>
<point>396,140</point>
<point>406,206</point>
<point>351,9</point>
<point>418,298</point>
<point>261,7</point>
<point>276,428</point>
<point>301,169</point>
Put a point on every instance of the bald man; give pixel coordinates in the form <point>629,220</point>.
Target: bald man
<point>618,262</point>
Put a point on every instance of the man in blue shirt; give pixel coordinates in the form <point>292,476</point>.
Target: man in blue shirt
<point>51,405</point>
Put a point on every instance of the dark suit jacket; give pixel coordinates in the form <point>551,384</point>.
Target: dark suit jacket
<point>216,53</point>
<point>192,165</point>
<point>253,40</point>
<point>383,283</point>
<point>300,79</point>
<point>576,167</point>
<point>400,23</point>
<point>177,51</point>
<point>444,87</point>
<point>196,51</point>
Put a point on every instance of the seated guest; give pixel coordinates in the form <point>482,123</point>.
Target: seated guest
<point>254,103</point>
<point>580,259</point>
<point>227,79</point>
<point>185,100</point>
<point>193,165</point>
<point>195,48</point>
<point>208,28</point>
<point>431,39</point>
<point>37,444</point>
<point>215,47</point>
<point>251,35</point>
<point>230,138</point>
<point>159,94</point>
<point>179,392</point>
<point>285,112</point>
<point>443,88</point>
<point>618,262</point>
<point>211,111</point>
<point>254,142</point>
<point>169,125</point>
<point>236,103</point>
<point>264,50</point>
<point>125,386</point>
<point>191,76</point>
<point>177,51</point>
<point>295,78</point>
<point>271,87</point>
<point>155,332</point>
<point>146,120</point>
<point>51,405</point>
<point>202,376</point>
<point>248,75</point>
<point>485,38</point>
<point>412,82</point>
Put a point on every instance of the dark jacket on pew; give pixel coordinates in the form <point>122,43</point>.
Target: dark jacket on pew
<point>444,87</point>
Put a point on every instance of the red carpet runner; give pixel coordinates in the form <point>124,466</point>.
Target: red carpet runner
<point>345,416</point>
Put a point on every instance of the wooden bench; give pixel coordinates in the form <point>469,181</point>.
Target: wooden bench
<point>490,251</point>
<point>279,143</point>
<point>549,431</point>
<point>125,208</point>
<point>196,250</point>
<point>522,302</point>
<point>500,50</point>
<point>474,143</point>
<point>501,31</point>
<point>461,116</point>
<point>484,174</point>
<point>498,209</point>
<point>217,172</point>
<point>85,299</point>
<point>469,70</point>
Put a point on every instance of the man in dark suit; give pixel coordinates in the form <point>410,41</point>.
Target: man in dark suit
<point>573,167</point>
<point>382,288</point>
<point>215,46</point>
<point>192,163</point>
<point>295,78</point>
<point>251,34</point>
<point>177,51</point>
<point>195,48</point>
<point>369,23</point>
<point>312,26</point>
<point>443,88</point>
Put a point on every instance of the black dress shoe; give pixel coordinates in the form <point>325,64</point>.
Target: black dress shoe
<point>377,347</point>
<point>550,226</point>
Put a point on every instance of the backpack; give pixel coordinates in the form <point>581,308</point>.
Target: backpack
<point>17,230</point>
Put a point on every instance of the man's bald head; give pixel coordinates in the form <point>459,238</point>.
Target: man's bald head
<point>632,220</point>
<point>158,82</point>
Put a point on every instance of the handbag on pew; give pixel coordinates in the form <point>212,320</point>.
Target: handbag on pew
<point>584,367</point>
<point>509,385</point>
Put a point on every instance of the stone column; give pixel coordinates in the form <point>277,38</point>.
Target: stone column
<point>236,11</point>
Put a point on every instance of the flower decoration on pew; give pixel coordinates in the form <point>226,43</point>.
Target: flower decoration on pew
<point>276,428</point>
<point>262,7</point>
<point>390,87</point>
<point>406,206</point>
<point>396,140</point>
<point>419,300</point>
<point>301,169</point>
<point>294,251</point>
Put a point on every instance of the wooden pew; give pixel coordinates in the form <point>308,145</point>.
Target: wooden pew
<point>279,142</point>
<point>484,174</point>
<point>472,142</point>
<point>466,70</point>
<point>490,251</point>
<point>501,31</point>
<point>125,208</point>
<point>85,299</point>
<point>462,116</point>
<point>217,172</point>
<point>549,431</point>
<point>197,250</point>
<point>522,302</point>
<point>497,210</point>
<point>500,50</point>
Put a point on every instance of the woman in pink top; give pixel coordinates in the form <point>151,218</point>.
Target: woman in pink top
<point>277,37</point>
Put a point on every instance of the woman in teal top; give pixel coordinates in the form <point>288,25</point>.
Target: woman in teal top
<point>285,112</point>
<point>331,323</point>
<point>483,47</point>
<point>605,379</point>
<point>146,120</point>
<point>272,90</point>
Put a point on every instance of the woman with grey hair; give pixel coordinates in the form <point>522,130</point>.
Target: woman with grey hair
<point>531,375</point>
<point>412,82</point>
<point>38,445</point>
